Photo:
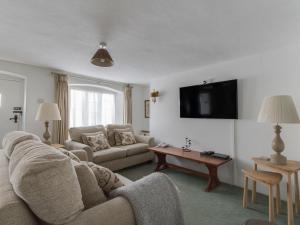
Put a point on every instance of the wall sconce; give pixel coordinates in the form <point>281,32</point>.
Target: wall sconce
<point>154,94</point>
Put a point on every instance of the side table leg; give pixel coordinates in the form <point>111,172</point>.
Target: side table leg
<point>213,180</point>
<point>161,161</point>
<point>297,200</point>
<point>290,201</point>
<point>254,185</point>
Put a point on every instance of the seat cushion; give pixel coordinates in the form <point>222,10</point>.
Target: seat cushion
<point>75,132</point>
<point>135,148</point>
<point>109,154</point>
<point>92,194</point>
<point>46,180</point>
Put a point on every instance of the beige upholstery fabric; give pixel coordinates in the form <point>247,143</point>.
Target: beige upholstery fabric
<point>81,154</point>
<point>75,132</point>
<point>116,211</point>
<point>119,164</point>
<point>74,145</point>
<point>145,139</point>
<point>107,180</point>
<point>11,139</point>
<point>61,127</point>
<point>109,154</point>
<point>84,135</point>
<point>13,211</point>
<point>46,180</point>
<point>91,193</point>
<point>135,149</point>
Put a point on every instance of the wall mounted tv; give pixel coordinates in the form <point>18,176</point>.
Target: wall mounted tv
<point>213,100</point>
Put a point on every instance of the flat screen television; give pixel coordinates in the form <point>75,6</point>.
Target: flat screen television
<point>213,100</point>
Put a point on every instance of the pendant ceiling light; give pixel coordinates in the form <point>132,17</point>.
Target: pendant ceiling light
<point>102,57</point>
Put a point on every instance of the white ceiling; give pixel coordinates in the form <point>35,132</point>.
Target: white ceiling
<point>146,38</point>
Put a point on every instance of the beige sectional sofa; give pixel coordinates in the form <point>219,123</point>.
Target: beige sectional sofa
<point>116,157</point>
<point>16,210</point>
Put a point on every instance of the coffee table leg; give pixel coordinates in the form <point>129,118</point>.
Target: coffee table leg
<point>161,161</point>
<point>213,180</point>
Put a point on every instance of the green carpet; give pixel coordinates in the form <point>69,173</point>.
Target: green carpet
<point>222,206</point>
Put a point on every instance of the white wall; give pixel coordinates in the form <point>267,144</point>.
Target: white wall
<point>40,86</point>
<point>271,73</point>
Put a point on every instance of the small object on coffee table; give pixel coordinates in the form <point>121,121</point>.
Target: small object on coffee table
<point>211,163</point>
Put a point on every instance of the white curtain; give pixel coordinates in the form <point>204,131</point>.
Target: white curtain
<point>91,108</point>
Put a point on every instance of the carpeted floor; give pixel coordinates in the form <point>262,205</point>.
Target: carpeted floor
<point>222,206</point>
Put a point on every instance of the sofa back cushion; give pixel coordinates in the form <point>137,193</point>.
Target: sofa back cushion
<point>92,194</point>
<point>12,209</point>
<point>76,132</point>
<point>111,132</point>
<point>46,180</point>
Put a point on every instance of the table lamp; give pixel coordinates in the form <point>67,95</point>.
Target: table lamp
<point>47,112</point>
<point>278,109</point>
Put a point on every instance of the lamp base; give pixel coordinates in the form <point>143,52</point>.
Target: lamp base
<point>278,159</point>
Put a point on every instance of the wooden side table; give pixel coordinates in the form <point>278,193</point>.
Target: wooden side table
<point>57,146</point>
<point>290,169</point>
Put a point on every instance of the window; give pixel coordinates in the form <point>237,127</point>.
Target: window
<point>91,107</point>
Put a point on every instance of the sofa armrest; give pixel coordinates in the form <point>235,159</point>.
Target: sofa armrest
<point>145,139</point>
<point>112,212</point>
<point>81,154</point>
<point>74,145</point>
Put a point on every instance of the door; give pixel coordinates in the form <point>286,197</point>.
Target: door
<point>11,104</point>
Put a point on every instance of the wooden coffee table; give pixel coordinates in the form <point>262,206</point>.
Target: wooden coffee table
<point>211,163</point>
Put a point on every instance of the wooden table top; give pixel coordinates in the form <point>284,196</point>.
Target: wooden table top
<point>291,166</point>
<point>192,155</point>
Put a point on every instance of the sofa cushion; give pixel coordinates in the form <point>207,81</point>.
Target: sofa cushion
<point>111,131</point>
<point>97,142</point>
<point>12,209</point>
<point>135,148</point>
<point>92,194</point>
<point>75,132</point>
<point>117,134</point>
<point>46,180</point>
<point>127,138</point>
<point>106,179</point>
<point>109,154</point>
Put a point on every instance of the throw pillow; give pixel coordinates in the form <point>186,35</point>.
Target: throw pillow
<point>117,135</point>
<point>127,138</point>
<point>97,142</point>
<point>92,194</point>
<point>84,136</point>
<point>107,180</point>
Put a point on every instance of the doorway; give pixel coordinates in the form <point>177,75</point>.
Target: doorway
<point>12,103</point>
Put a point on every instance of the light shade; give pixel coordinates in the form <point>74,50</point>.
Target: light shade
<point>48,112</point>
<point>278,109</point>
<point>102,57</point>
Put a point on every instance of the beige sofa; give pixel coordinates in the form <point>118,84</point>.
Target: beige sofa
<point>116,157</point>
<point>14,211</point>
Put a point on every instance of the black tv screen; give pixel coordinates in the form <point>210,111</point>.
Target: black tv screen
<point>213,100</point>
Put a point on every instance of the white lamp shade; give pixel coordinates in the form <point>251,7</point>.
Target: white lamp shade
<point>48,112</point>
<point>278,109</point>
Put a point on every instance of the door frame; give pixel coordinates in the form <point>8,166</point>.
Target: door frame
<point>24,78</point>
